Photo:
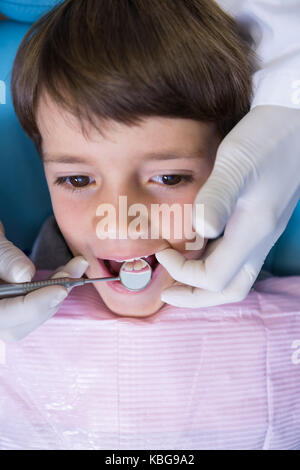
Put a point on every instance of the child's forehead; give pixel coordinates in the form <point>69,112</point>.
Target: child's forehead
<point>51,115</point>
<point>60,127</point>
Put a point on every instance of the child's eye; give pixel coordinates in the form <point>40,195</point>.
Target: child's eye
<point>77,182</point>
<point>80,182</point>
<point>172,180</point>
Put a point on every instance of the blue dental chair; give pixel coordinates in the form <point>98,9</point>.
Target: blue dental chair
<point>24,197</point>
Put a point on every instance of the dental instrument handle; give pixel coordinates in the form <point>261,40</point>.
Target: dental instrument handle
<point>23,288</point>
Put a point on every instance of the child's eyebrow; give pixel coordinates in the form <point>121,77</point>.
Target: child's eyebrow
<point>47,158</point>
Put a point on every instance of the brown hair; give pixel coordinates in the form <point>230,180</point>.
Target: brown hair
<point>129,59</point>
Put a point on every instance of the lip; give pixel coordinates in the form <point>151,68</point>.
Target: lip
<point>118,287</point>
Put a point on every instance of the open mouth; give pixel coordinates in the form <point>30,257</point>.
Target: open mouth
<point>110,267</point>
<point>115,266</point>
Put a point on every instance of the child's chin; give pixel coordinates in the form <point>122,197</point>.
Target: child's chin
<point>141,305</point>
<point>133,309</point>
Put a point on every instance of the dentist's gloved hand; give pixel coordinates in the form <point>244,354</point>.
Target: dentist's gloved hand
<point>20,315</point>
<point>252,190</point>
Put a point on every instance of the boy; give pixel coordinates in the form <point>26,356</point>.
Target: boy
<point>129,98</point>
<point>162,82</point>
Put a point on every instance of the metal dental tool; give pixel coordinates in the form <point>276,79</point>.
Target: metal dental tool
<point>132,280</point>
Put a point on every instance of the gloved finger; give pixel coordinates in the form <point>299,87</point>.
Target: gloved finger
<point>19,332</point>
<point>46,299</point>
<point>242,161</point>
<point>224,257</point>
<point>39,305</point>
<point>35,307</point>
<point>191,272</point>
<point>181,269</point>
<point>15,266</point>
<point>76,267</point>
<point>236,291</point>
<point>226,182</point>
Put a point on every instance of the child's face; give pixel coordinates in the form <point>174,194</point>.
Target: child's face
<point>125,161</point>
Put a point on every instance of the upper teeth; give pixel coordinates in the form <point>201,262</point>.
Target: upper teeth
<point>136,265</point>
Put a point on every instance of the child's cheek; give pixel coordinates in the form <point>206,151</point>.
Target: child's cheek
<point>176,222</point>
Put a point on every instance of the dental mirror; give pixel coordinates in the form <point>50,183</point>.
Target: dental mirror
<point>135,275</point>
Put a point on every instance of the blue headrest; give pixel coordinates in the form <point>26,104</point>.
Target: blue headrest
<point>24,197</point>
<point>26,11</point>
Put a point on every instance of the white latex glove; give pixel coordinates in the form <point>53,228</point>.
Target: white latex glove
<point>20,315</point>
<point>253,190</point>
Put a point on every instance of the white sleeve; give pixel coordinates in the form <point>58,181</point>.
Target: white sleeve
<point>275,28</point>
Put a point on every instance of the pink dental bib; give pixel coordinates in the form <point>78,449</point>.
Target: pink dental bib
<point>225,377</point>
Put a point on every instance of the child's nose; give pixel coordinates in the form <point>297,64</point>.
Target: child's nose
<point>123,219</point>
